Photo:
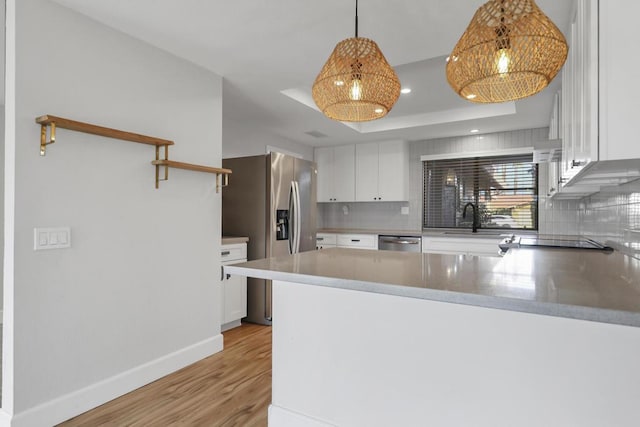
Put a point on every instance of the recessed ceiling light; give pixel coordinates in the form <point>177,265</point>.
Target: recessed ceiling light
<point>405,90</point>
<point>339,83</point>
<point>474,130</point>
<point>471,96</point>
<point>378,111</point>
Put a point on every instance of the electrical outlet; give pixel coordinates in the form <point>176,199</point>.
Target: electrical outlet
<point>51,238</point>
<point>404,210</point>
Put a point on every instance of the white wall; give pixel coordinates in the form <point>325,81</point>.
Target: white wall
<point>246,137</point>
<point>1,199</point>
<point>2,51</point>
<point>135,296</point>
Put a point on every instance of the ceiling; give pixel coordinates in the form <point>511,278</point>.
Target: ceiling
<point>266,48</point>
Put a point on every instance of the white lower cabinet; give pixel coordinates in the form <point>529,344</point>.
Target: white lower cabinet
<point>358,241</point>
<point>326,240</point>
<point>233,288</point>
<point>479,246</point>
<point>354,241</point>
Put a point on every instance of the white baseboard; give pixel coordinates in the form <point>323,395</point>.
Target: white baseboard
<point>280,417</point>
<point>5,418</point>
<point>77,402</point>
<point>230,325</point>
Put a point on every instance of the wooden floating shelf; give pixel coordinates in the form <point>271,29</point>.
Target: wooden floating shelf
<point>49,121</point>
<point>198,168</point>
<point>59,122</point>
<point>191,167</point>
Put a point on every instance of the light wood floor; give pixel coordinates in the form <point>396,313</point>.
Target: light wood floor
<point>230,388</point>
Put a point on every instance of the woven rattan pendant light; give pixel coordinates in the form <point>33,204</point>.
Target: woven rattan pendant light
<point>509,51</point>
<point>356,84</point>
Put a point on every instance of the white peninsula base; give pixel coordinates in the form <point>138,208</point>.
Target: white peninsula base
<point>351,358</point>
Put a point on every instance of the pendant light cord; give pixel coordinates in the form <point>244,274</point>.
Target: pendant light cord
<point>356,18</point>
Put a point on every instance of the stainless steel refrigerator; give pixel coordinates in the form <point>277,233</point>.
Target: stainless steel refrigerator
<point>272,200</point>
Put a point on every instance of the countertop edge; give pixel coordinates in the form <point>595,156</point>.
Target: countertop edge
<point>601,315</point>
<point>369,231</point>
<point>231,240</point>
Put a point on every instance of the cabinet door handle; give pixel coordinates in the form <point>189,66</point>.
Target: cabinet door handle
<point>221,273</point>
<point>225,253</point>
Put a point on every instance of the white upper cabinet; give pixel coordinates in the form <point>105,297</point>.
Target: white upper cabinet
<point>382,171</point>
<point>336,173</point>
<point>599,96</point>
<point>579,91</point>
<point>393,171</point>
<point>619,92</point>
<point>324,161</point>
<point>367,172</point>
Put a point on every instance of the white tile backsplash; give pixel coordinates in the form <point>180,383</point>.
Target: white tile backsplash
<point>612,214</point>
<point>365,215</point>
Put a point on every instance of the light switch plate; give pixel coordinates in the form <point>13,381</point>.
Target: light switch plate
<point>51,238</point>
<point>404,210</point>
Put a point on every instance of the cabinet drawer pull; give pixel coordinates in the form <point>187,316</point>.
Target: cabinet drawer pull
<point>320,239</point>
<point>355,240</point>
<point>225,253</point>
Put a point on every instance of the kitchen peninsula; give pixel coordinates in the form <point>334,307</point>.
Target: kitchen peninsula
<point>537,337</point>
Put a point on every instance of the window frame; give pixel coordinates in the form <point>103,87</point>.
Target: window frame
<point>479,154</point>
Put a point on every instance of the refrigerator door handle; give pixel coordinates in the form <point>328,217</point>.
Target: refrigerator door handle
<point>292,218</point>
<point>298,214</point>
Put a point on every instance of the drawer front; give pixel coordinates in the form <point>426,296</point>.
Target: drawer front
<point>324,246</point>
<point>364,241</point>
<point>325,239</point>
<point>233,252</point>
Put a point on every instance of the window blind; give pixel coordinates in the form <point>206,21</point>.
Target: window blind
<point>503,188</point>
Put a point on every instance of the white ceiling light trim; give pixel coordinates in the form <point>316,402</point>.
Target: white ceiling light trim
<point>302,96</point>
<point>473,112</point>
<point>439,117</point>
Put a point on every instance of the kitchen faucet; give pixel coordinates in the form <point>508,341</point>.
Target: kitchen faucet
<point>475,225</point>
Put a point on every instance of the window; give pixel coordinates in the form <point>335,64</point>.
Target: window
<point>503,188</point>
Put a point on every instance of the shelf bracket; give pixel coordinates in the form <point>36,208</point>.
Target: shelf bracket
<point>158,163</point>
<point>43,137</point>
<point>225,181</point>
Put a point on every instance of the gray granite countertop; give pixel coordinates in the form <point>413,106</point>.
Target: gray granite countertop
<point>580,284</point>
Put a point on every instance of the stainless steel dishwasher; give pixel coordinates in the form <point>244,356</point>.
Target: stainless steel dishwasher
<point>400,243</point>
